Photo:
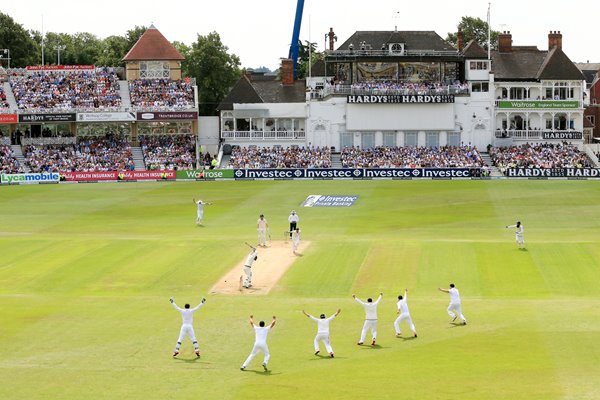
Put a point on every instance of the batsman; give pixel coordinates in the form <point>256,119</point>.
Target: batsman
<point>253,256</point>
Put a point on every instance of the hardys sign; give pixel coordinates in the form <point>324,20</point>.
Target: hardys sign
<point>30,178</point>
<point>357,173</point>
<point>65,117</point>
<point>562,135</point>
<point>576,173</point>
<point>400,99</point>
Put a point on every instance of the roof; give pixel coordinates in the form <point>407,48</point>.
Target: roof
<point>153,46</point>
<point>527,63</point>
<point>263,89</point>
<point>589,70</point>
<point>413,40</point>
<point>474,50</point>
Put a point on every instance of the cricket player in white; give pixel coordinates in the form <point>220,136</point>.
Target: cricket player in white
<point>323,331</point>
<point>454,303</point>
<point>293,219</point>
<point>295,239</point>
<point>187,328</point>
<point>261,227</point>
<point>200,214</point>
<point>253,256</point>
<point>370,318</point>
<point>404,315</point>
<point>518,234</point>
<point>260,343</point>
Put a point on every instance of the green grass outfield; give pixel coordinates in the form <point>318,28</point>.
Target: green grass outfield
<point>86,272</point>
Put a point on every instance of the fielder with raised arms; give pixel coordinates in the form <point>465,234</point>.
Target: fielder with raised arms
<point>200,214</point>
<point>370,318</point>
<point>187,328</point>
<point>323,331</point>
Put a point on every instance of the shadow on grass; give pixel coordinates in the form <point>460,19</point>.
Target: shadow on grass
<point>406,338</point>
<point>262,372</point>
<point>456,324</point>
<point>320,357</point>
<point>187,360</point>
<point>371,347</point>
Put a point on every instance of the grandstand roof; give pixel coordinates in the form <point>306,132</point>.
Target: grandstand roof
<point>263,89</point>
<point>589,71</point>
<point>413,40</point>
<point>525,63</point>
<point>153,46</point>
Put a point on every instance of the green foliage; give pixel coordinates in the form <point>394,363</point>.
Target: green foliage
<point>307,53</point>
<point>215,71</point>
<point>474,29</point>
<point>23,49</point>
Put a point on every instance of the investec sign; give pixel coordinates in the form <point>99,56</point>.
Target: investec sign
<point>399,99</point>
<point>353,173</point>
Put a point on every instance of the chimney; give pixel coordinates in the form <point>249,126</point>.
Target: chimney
<point>554,40</point>
<point>505,42</point>
<point>287,71</point>
<point>460,41</point>
<point>332,38</point>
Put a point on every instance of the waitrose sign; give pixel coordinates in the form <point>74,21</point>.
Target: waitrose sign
<point>554,104</point>
<point>199,174</point>
<point>29,178</point>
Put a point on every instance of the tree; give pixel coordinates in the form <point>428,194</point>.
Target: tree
<point>113,49</point>
<point>474,29</point>
<point>23,49</point>
<point>304,56</point>
<point>134,34</point>
<point>215,71</point>
<point>184,50</point>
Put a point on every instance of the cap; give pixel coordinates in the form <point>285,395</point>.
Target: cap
<point>293,212</point>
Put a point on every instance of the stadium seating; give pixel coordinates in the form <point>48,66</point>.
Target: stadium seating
<point>8,163</point>
<point>545,155</point>
<point>88,154</point>
<point>56,91</point>
<point>161,94</point>
<point>169,152</point>
<point>412,157</point>
<point>279,157</point>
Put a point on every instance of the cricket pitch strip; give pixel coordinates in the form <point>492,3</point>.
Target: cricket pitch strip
<point>273,261</point>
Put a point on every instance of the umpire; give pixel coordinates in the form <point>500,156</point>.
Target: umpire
<point>293,220</point>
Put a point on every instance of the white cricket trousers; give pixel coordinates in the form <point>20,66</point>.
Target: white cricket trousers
<point>258,347</point>
<point>186,329</point>
<point>519,238</point>
<point>199,217</point>
<point>456,307</point>
<point>324,337</point>
<point>248,272</point>
<point>369,324</point>
<point>262,237</point>
<point>404,317</point>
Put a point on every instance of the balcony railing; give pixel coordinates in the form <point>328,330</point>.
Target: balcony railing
<point>388,53</point>
<point>263,135</point>
<point>345,90</point>
<point>539,134</point>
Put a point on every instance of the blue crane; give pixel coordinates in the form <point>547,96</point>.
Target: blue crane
<point>295,46</point>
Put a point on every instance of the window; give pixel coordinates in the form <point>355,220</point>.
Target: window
<point>411,139</point>
<point>478,65</point>
<point>347,140</point>
<point>432,139</point>
<point>389,139</point>
<point>155,70</point>
<point>477,87</point>
<point>454,139</point>
<point>517,93</point>
<point>592,119</point>
<point>368,140</point>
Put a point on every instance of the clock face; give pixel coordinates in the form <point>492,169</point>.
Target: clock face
<point>397,48</point>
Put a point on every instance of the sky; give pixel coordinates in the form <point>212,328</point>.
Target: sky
<point>259,32</point>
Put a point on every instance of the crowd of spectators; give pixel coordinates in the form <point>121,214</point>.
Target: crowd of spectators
<point>8,163</point>
<point>412,157</point>
<point>279,157</point>
<point>161,94</point>
<point>407,88</point>
<point>108,153</point>
<point>543,155</point>
<point>169,152</point>
<point>3,101</point>
<point>83,90</point>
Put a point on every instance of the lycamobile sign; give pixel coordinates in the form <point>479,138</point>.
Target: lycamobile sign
<point>29,178</point>
<point>538,104</point>
<point>195,174</point>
